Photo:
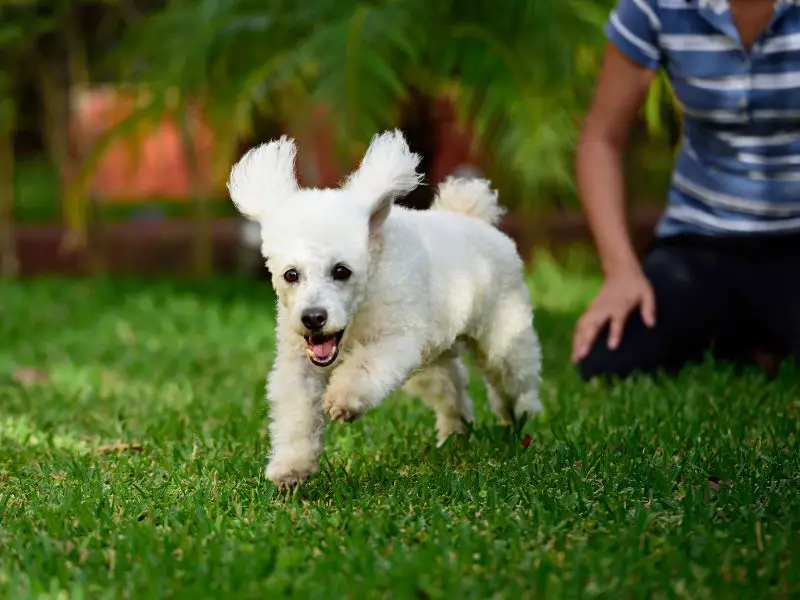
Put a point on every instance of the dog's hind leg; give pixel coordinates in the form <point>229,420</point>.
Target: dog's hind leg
<point>498,402</point>
<point>443,387</point>
<point>510,356</point>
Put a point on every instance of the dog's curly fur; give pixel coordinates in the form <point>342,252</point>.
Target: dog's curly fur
<point>410,289</point>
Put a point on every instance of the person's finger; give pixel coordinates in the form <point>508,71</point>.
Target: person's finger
<point>648,308</point>
<point>576,337</point>
<point>579,333</point>
<point>615,329</point>
<point>586,335</point>
<point>578,342</point>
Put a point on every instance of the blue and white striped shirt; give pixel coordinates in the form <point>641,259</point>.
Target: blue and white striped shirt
<point>738,169</point>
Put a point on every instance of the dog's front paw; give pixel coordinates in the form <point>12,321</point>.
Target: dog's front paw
<point>285,474</point>
<point>343,404</point>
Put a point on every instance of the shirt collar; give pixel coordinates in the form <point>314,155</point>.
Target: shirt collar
<point>717,13</point>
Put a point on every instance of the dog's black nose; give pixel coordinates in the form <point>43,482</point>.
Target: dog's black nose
<point>314,318</point>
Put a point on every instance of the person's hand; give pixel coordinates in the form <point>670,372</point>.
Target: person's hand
<point>619,295</point>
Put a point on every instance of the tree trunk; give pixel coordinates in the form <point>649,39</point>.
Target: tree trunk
<point>54,93</point>
<point>61,67</point>
<point>202,231</point>
<point>9,265</point>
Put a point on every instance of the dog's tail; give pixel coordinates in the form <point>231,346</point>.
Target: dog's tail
<point>473,197</point>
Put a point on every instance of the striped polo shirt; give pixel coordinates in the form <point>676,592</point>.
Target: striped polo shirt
<point>738,168</point>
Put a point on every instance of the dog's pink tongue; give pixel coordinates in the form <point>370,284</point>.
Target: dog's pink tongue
<point>325,348</point>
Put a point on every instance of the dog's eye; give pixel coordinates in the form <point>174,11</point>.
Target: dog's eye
<point>341,273</point>
<point>291,276</point>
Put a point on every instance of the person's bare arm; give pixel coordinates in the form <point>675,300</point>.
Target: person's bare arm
<point>621,90</point>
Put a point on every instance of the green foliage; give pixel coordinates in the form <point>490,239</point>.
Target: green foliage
<point>521,72</point>
<point>21,25</point>
<point>517,69</point>
<point>660,106</point>
<point>8,108</point>
<point>42,45</point>
<point>132,443</point>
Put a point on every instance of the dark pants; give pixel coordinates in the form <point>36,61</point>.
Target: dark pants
<point>730,297</point>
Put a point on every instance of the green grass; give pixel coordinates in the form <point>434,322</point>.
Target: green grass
<point>131,462</point>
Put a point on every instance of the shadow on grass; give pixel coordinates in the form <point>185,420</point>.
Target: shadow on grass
<point>479,454</point>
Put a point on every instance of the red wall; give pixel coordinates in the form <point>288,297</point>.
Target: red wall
<point>148,162</point>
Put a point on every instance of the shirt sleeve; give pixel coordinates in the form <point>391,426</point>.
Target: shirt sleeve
<point>633,27</point>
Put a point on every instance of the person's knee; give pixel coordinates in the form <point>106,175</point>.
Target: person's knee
<point>588,369</point>
<point>635,355</point>
<point>602,362</point>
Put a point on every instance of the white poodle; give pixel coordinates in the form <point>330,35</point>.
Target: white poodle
<point>374,296</point>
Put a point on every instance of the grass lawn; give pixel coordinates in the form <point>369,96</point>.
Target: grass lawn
<point>132,445</point>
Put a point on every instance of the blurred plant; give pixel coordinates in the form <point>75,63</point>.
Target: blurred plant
<point>8,257</point>
<point>662,108</point>
<point>189,56</point>
<point>20,26</point>
<point>43,42</point>
<point>520,72</point>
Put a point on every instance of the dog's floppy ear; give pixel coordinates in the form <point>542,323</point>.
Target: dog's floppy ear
<point>387,171</point>
<point>263,175</point>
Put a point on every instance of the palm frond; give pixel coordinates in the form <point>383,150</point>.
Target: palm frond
<point>523,68</point>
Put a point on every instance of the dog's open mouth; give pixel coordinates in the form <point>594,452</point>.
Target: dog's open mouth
<point>323,349</point>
